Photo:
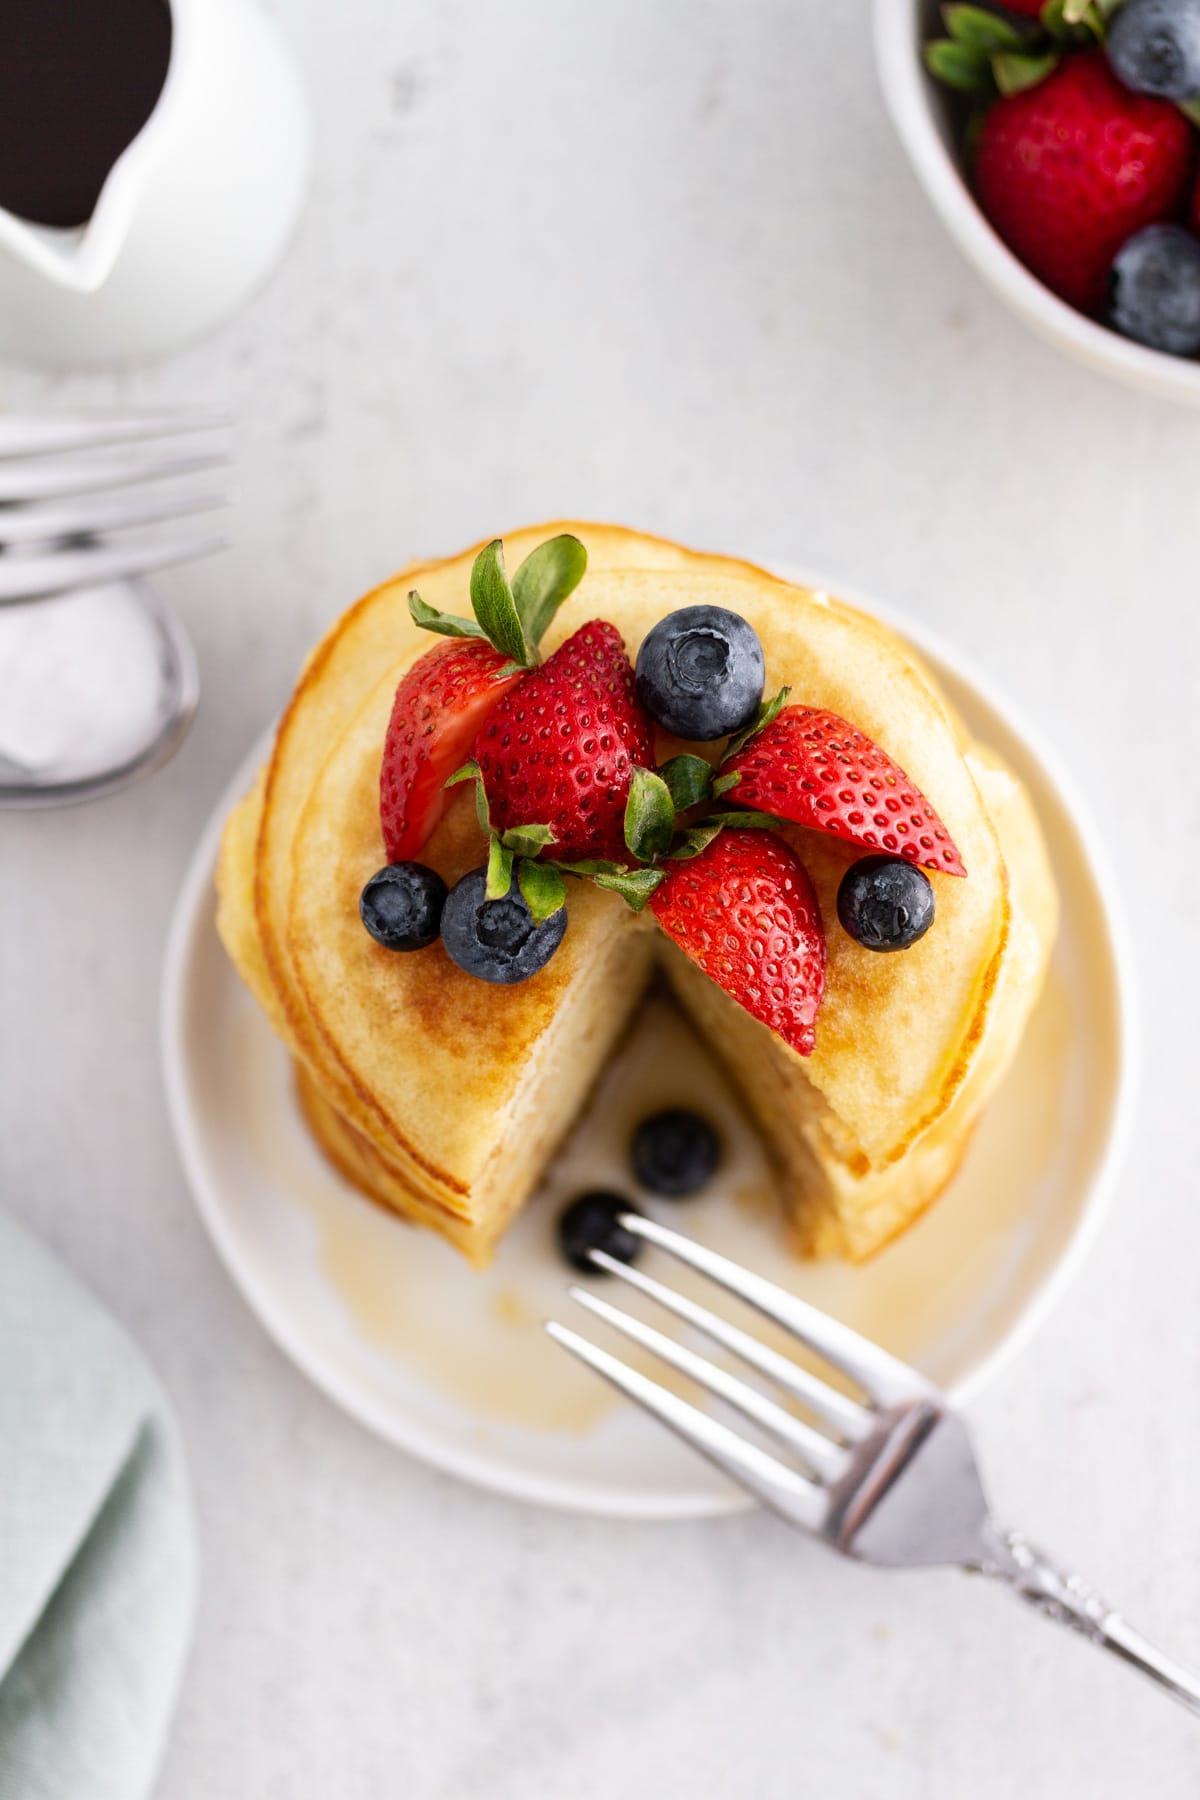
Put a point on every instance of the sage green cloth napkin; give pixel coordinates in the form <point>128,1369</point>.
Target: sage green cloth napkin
<point>97,1549</point>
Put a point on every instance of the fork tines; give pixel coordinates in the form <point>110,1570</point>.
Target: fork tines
<point>60,482</point>
<point>889,1478</point>
<point>814,1456</point>
<point>34,434</point>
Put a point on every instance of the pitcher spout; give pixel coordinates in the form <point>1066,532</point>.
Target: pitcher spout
<point>76,250</point>
<point>63,258</point>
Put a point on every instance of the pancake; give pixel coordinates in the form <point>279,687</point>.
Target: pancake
<point>837,1201</point>
<point>443,1096</point>
<point>376,636</point>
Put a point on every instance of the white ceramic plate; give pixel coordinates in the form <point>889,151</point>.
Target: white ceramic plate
<point>453,1367</point>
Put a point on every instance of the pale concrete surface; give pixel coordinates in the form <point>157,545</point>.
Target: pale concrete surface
<point>659,263</point>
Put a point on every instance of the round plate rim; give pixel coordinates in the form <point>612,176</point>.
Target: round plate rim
<point>489,1470</point>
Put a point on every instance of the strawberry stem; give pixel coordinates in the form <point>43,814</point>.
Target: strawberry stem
<point>513,619</point>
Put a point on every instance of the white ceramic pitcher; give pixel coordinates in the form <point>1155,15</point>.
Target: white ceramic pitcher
<point>193,214</point>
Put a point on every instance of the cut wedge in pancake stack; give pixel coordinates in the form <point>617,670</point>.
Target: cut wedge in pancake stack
<point>443,1096</point>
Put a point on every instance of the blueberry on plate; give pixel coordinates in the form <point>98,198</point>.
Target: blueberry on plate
<point>675,1152</point>
<point>497,940</point>
<point>1154,47</point>
<point>593,1222</point>
<point>1155,291</point>
<point>402,905</point>
<point>885,903</point>
<point>700,673</point>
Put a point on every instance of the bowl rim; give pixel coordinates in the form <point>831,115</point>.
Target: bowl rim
<point>565,1492</point>
<point>897,33</point>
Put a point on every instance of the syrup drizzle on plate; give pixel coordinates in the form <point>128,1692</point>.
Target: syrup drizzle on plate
<point>476,1335</point>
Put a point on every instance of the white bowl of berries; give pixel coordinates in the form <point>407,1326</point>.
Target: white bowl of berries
<point>1059,142</point>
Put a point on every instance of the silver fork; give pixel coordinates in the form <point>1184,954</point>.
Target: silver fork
<point>58,507</point>
<point>888,1477</point>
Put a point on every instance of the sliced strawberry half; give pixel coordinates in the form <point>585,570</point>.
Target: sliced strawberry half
<point>560,750</point>
<point>745,912</point>
<point>814,769</point>
<point>439,707</point>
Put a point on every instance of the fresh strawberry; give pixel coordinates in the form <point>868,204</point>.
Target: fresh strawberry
<point>1029,9</point>
<point>439,707</point>
<point>744,910</point>
<point>1194,208</point>
<point>1071,168</point>
<point>560,750</point>
<point>814,769</point>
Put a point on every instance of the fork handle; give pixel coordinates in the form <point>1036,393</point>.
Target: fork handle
<point>1058,1594</point>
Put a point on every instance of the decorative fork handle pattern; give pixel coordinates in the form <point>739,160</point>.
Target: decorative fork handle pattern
<point>1065,1597</point>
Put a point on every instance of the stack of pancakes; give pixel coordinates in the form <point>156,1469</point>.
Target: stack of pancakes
<point>442,1096</point>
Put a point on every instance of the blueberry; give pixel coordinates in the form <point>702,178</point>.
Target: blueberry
<point>593,1222</point>
<point>700,672</point>
<point>497,940</point>
<point>1154,47</point>
<point>885,903</point>
<point>675,1152</point>
<point>1155,292</point>
<point>402,905</point>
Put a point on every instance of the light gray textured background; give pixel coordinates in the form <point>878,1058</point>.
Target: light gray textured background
<point>658,261</point>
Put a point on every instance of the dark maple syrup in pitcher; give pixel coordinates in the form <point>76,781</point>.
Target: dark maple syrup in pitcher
<point>78,80</point>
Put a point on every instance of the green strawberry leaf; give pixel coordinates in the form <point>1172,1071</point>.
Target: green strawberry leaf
<point>697,838</point>
<point>768,711</point>
<point>976,29</point>
<point>499,870</point>
<point>1092,13</point>
<point>956,66</point>
<point>1073,33</point>
<point>511,619</point>
<point>689,779</point>
<point>527,840</point>
<point>1190,110</point>
<point>518,840</point>
<point>445,624</point>
<point>493,605</point>
<point>468,772</point>
<point>543,888</point>
<point>482,812</point>
<point>544,580</point>
<point>1016,71</point>
<point>723,783</point>
<point>649,816</point>
<point>635,886</point>
<point>592,867</point>
<point>748,821</point>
